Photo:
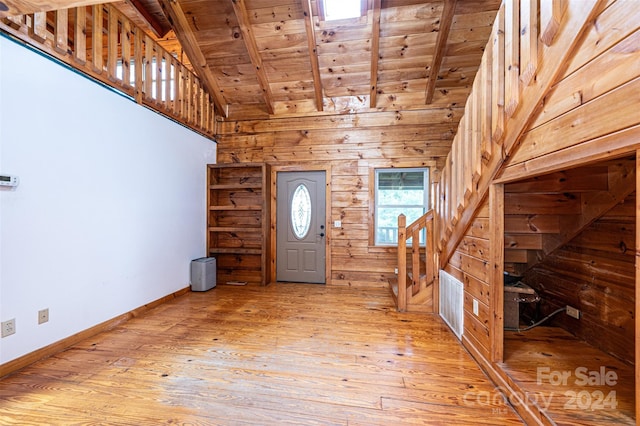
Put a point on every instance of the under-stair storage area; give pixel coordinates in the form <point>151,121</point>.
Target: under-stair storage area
<point>237,215</point>
<point>570,237</point>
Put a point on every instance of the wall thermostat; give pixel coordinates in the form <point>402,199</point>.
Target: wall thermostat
<point>8,180</point>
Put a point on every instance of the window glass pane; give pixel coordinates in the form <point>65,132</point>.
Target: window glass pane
<point>399,191</point>
<point>341,9</point>
<point>301,211</point>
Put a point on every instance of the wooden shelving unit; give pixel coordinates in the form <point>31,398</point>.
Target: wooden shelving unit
<point>237,221</point>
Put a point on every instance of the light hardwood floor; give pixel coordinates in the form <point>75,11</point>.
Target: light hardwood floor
<point>571,381</point>
<point>298,354</point>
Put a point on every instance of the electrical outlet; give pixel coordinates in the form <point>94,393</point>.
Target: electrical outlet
<point>476,308</point>
<point>395,271</point>
<point>8,327</point>
<point>573,312</point>
<point>43,316</point>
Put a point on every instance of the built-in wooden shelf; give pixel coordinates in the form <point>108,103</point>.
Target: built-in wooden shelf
<point>247,208</point>
<point>236,186</point>
<point>234,251</point>
<point>234,228</point>
<point>237,221</point>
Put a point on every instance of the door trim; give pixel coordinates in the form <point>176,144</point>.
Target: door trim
<point>299,167</point>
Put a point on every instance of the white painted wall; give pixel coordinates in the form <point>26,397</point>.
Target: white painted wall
<point>110,208</point>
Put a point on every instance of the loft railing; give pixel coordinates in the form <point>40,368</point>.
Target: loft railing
<point>102,43</point>
<point>508,90</point>
<point>418,274</point>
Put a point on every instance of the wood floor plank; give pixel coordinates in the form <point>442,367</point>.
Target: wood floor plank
<point>283,354</point>
<point>573,382</point>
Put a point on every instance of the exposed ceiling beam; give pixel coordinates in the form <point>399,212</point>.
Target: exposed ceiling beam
<point>157,27</point>
<point>441,43</point>
<point>187,38</point>
<point>313,53</point>
<point>240,8</point>
<point>24,7</point>
<point>375,53</point>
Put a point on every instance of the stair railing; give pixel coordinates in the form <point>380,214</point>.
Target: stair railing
<point>418,274</point>
<point>101,42</point>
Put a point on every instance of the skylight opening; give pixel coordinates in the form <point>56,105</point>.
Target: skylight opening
<point>333,10</point>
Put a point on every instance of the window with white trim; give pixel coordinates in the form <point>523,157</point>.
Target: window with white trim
<point>399,190</point>
<point>333,10</point>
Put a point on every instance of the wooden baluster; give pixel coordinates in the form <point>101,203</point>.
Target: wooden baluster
<point>39,29</point>
<point>208,113</point>
<point>80,36</point>
<point>148,70</point>
<point>125,42</point>
<point>159,73</point>
<point>112,44</point>
<point>478,110</point>
<point>485,108</point>
<point>62,32</point>
<point>189,98</point>
<point>402,263</point>
<point>167,79</point>
<point>17,22</point>
<point>529,41</point>
<point>497,80</point>
<point>178,91</point>
<point>200,105</point>
<point>512,56</point>
<point>551,14</point>
<point>415,261</point>
<point>97,62</point>
<point>138,63</point>
<point>431,263</point>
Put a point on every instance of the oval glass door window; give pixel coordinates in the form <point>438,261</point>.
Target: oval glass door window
<point>301,211</point>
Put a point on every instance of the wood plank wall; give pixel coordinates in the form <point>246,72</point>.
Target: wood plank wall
<point>348,145</point>
<point>595,273</point>
<point>588,115</point>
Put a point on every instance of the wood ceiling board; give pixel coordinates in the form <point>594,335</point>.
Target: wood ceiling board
<point>424,40</point>
<point>390,29</point>
<point>275,14</point>
<point>279,27</point>
<point>473,6</point>
<point>404,63</point>
<point>291,80</point>
<point>224,48</point>
<point>341,34</point>
<point>291,41</point>
<point>465,48</point>
<point>352,60</point>
<point>469,34</point>
<point>416,85</point>
<point>416,12</point>
<point>343,47</point>
<point>474,20</point>
<point>396,75</point>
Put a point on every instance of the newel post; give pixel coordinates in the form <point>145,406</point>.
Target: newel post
<point>402,263</point>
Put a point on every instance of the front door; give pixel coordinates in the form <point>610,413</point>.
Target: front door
<point>300,228</point>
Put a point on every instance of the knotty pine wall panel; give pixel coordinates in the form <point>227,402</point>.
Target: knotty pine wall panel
<point>470,264</point>
<point>595,273</point>
<point>350,145</point>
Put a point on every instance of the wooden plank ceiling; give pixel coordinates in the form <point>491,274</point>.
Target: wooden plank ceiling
<point>265,58</point>
<point>273,58</point>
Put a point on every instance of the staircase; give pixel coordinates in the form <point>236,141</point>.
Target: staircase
<point>413,288</point>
